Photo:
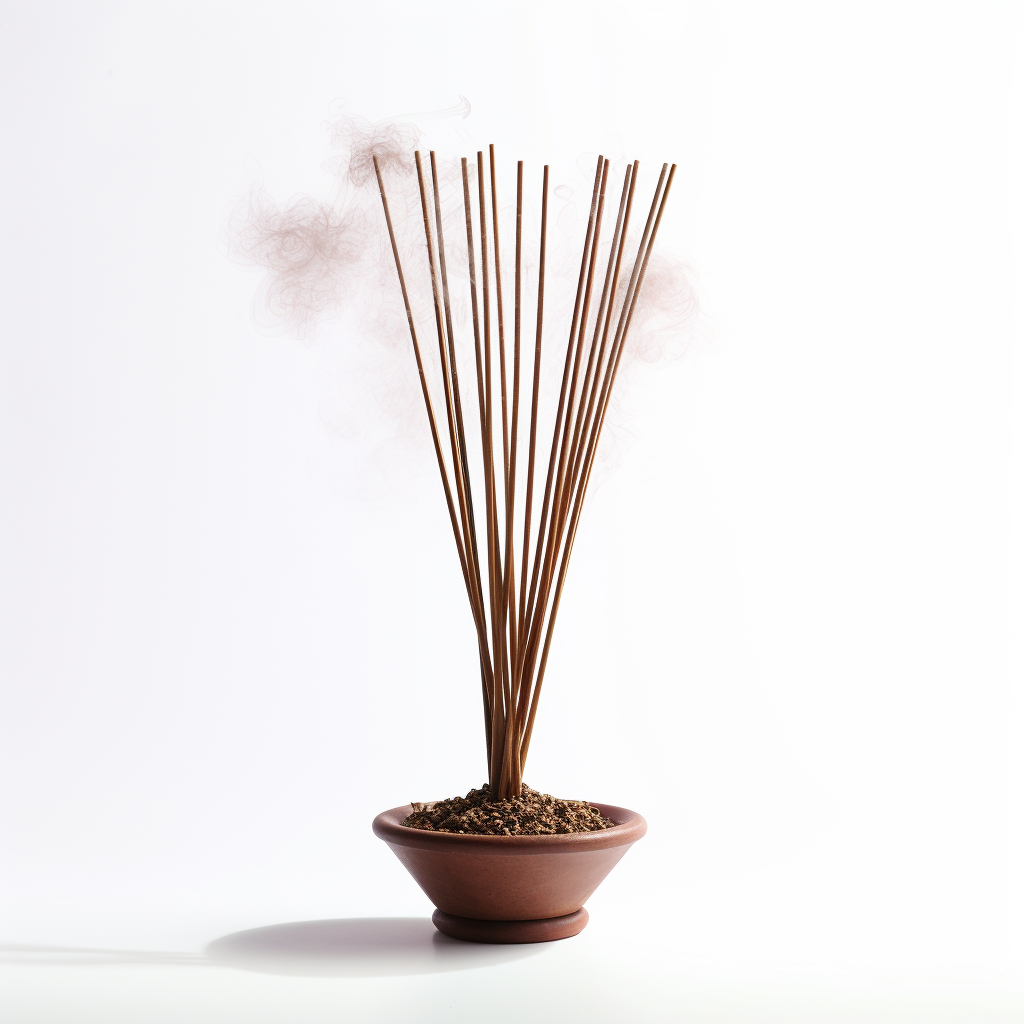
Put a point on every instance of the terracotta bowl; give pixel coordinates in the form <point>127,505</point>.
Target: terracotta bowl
<point>510,888</point>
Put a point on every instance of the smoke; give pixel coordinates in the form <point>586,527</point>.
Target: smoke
<point>361,140</point>
<point>328,261</point>
<point>665,311</point>
<point>311,253</point>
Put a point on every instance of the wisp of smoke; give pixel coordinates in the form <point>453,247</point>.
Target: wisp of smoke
<point>309,250</point>
<point>667,304</point>
<point>324,259</point>
<point>362,140</point>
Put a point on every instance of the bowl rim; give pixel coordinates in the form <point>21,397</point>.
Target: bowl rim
<point>629,827</point>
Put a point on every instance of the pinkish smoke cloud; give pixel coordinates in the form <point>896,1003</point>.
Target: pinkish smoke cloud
<point>309,250</point>
<point>324,259</point>
<point>362,140</point>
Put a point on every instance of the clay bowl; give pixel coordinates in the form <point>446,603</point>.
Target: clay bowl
<point>510,888</point>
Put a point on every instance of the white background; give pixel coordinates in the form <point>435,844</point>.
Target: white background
<point>233,632</point>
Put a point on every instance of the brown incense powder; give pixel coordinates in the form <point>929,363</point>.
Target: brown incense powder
<point>532,814</point>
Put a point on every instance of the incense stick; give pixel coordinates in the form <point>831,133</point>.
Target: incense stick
<point>495,754</point>
<point>534,405</point>
<point>510,497</point>
<point>555,515</point>
<point>454,370</point>
<point>487,672</point>
<point>506,637</point>
<point>552,458</point>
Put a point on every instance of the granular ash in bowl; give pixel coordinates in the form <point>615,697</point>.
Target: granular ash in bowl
<point>532,814</point>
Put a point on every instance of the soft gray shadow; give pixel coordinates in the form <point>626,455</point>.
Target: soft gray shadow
<point>79,956</point>
<point>357,947</point>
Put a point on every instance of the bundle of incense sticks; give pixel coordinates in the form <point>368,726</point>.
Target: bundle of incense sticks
<point>515,606</point>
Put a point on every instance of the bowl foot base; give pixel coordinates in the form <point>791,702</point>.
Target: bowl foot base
<point>544,930</point>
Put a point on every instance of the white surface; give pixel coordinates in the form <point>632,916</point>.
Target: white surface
<point>233,629</point>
